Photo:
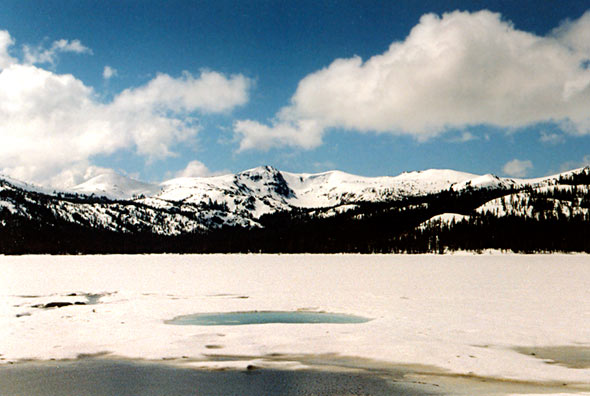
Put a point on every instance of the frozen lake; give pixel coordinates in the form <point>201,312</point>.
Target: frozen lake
<point>444,320</point>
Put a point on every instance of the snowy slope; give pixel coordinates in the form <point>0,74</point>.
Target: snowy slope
<point>520,204</point>
<point>115,186</point>
<point>336,188</point>
<point>251,193</point>
<point>491,181</point>
<point>104,214</point>
<point>443,220</point>
<point>9,182</point>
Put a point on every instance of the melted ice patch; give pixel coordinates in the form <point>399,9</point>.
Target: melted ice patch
<point>264,317</point>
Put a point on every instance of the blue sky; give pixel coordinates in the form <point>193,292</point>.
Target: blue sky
<point>158,89</point>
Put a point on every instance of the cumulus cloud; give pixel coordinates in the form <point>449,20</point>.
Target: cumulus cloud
<point>210,92</point>
<point>575,33</point>
<point>301,133</point>
<point>517,168</point>
<point>52,124</point>
<point>450,72</point>
<point>40,54</point>
<point>5,43</point>
<point>109,72</point>
<point>197,169</point>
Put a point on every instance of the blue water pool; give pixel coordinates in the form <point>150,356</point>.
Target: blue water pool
<point>264,317</point>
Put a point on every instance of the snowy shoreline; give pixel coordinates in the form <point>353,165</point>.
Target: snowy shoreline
<point>465,315</point>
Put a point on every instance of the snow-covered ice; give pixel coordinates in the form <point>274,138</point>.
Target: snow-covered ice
<point>466,314</point>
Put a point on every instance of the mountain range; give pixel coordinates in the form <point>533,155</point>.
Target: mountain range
<point>265,198</point>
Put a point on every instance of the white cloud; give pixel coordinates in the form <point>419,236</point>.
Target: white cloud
<point>40,55</point>
<point>517,168</point>
<point>52,124</point>
<point>197,169</point>
<point>551,138</point>
<point>109,72</point>
<point>210,92</point>
<point>464,137</point>
<point>575,33</point>
<point>452,71</point>
<point>70,46</point>
<point>301,133</point>
<point>5,42</point>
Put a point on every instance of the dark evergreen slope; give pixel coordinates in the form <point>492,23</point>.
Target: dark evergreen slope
<point>550,216</point>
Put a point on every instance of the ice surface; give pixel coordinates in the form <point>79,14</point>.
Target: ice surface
<point>463,313</point>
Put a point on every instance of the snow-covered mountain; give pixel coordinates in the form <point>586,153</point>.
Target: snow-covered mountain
<point>263,190</point>
<point>183,205</point>
<point>115,186</point>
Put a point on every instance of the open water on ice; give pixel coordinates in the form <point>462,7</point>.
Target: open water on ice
<point>264,317</point>
<point>103,377</point>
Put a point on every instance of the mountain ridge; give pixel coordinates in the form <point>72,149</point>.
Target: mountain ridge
<point>96,185</point>
<point>264,197</point>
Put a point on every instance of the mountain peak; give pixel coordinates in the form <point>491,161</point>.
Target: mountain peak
<point>260,170</point>
<point>268,177</point>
